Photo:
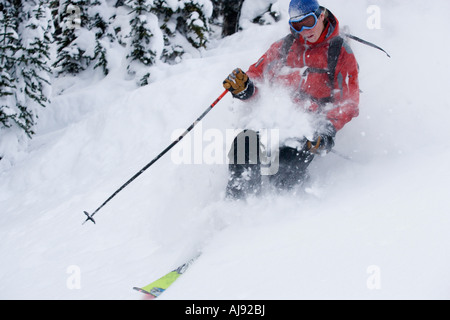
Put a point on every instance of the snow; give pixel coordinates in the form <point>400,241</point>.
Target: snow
<point>375,227</point>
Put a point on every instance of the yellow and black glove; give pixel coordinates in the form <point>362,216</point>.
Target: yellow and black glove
<point>239,84</point>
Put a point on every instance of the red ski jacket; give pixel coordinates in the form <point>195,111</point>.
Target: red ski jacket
<point>303,67</point>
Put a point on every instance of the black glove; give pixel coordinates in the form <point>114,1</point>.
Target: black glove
<point>323,140</point>
<point>239,84</point>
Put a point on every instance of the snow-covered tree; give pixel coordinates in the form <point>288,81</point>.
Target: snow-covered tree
<point>75,44</point>
<point>141,32</point>
<point>33,61</point>
<point>165,30</point>
<point>9,45</point>
<point>141,48</point>
<point>99,23</point>
<point>193,21</point>
<point>7,105</point>
<point>24,58</point>
<point>180,21</point>
<point>25,85</point>
<point>172,51</point>
<point>84,36</point>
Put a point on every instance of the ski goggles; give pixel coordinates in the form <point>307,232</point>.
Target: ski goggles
<point>305,22</point>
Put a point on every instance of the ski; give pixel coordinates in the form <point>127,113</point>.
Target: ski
<point>156,288</point>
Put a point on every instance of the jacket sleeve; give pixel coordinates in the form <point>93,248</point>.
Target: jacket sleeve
<point>346,90</point>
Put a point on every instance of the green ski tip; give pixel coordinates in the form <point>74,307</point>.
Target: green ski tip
<point>156,288</point>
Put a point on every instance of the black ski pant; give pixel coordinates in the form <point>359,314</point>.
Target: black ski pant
<point>245,166</point>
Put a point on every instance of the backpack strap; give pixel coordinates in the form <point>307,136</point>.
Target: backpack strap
<point>288,41</point>
<point>334,52</point>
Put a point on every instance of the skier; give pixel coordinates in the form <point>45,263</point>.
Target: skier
<point>320,71</point>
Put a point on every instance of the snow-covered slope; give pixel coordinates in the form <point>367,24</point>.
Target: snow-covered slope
<point>372,228</point>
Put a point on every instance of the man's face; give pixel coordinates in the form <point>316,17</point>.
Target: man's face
<point>312,35</point>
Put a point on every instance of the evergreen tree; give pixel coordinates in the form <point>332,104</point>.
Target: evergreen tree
<point>25,37</point>
<point>141,34</point>
<point>82,35</point>
<point>9,45</point>
<point>172,52</point>
<point>7,108</point>
<point>98,17</point>
<point>33,61</point>
<point>180,21</point>
<point>193,22</point>
<point>75,46</point>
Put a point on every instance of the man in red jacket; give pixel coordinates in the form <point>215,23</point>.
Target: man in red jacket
<point>321,73</point>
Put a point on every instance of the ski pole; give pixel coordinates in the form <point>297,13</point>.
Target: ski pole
<point>343,156</point>
<point>367,43</point>
<point>348,158</point>
<point>90,216</point>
